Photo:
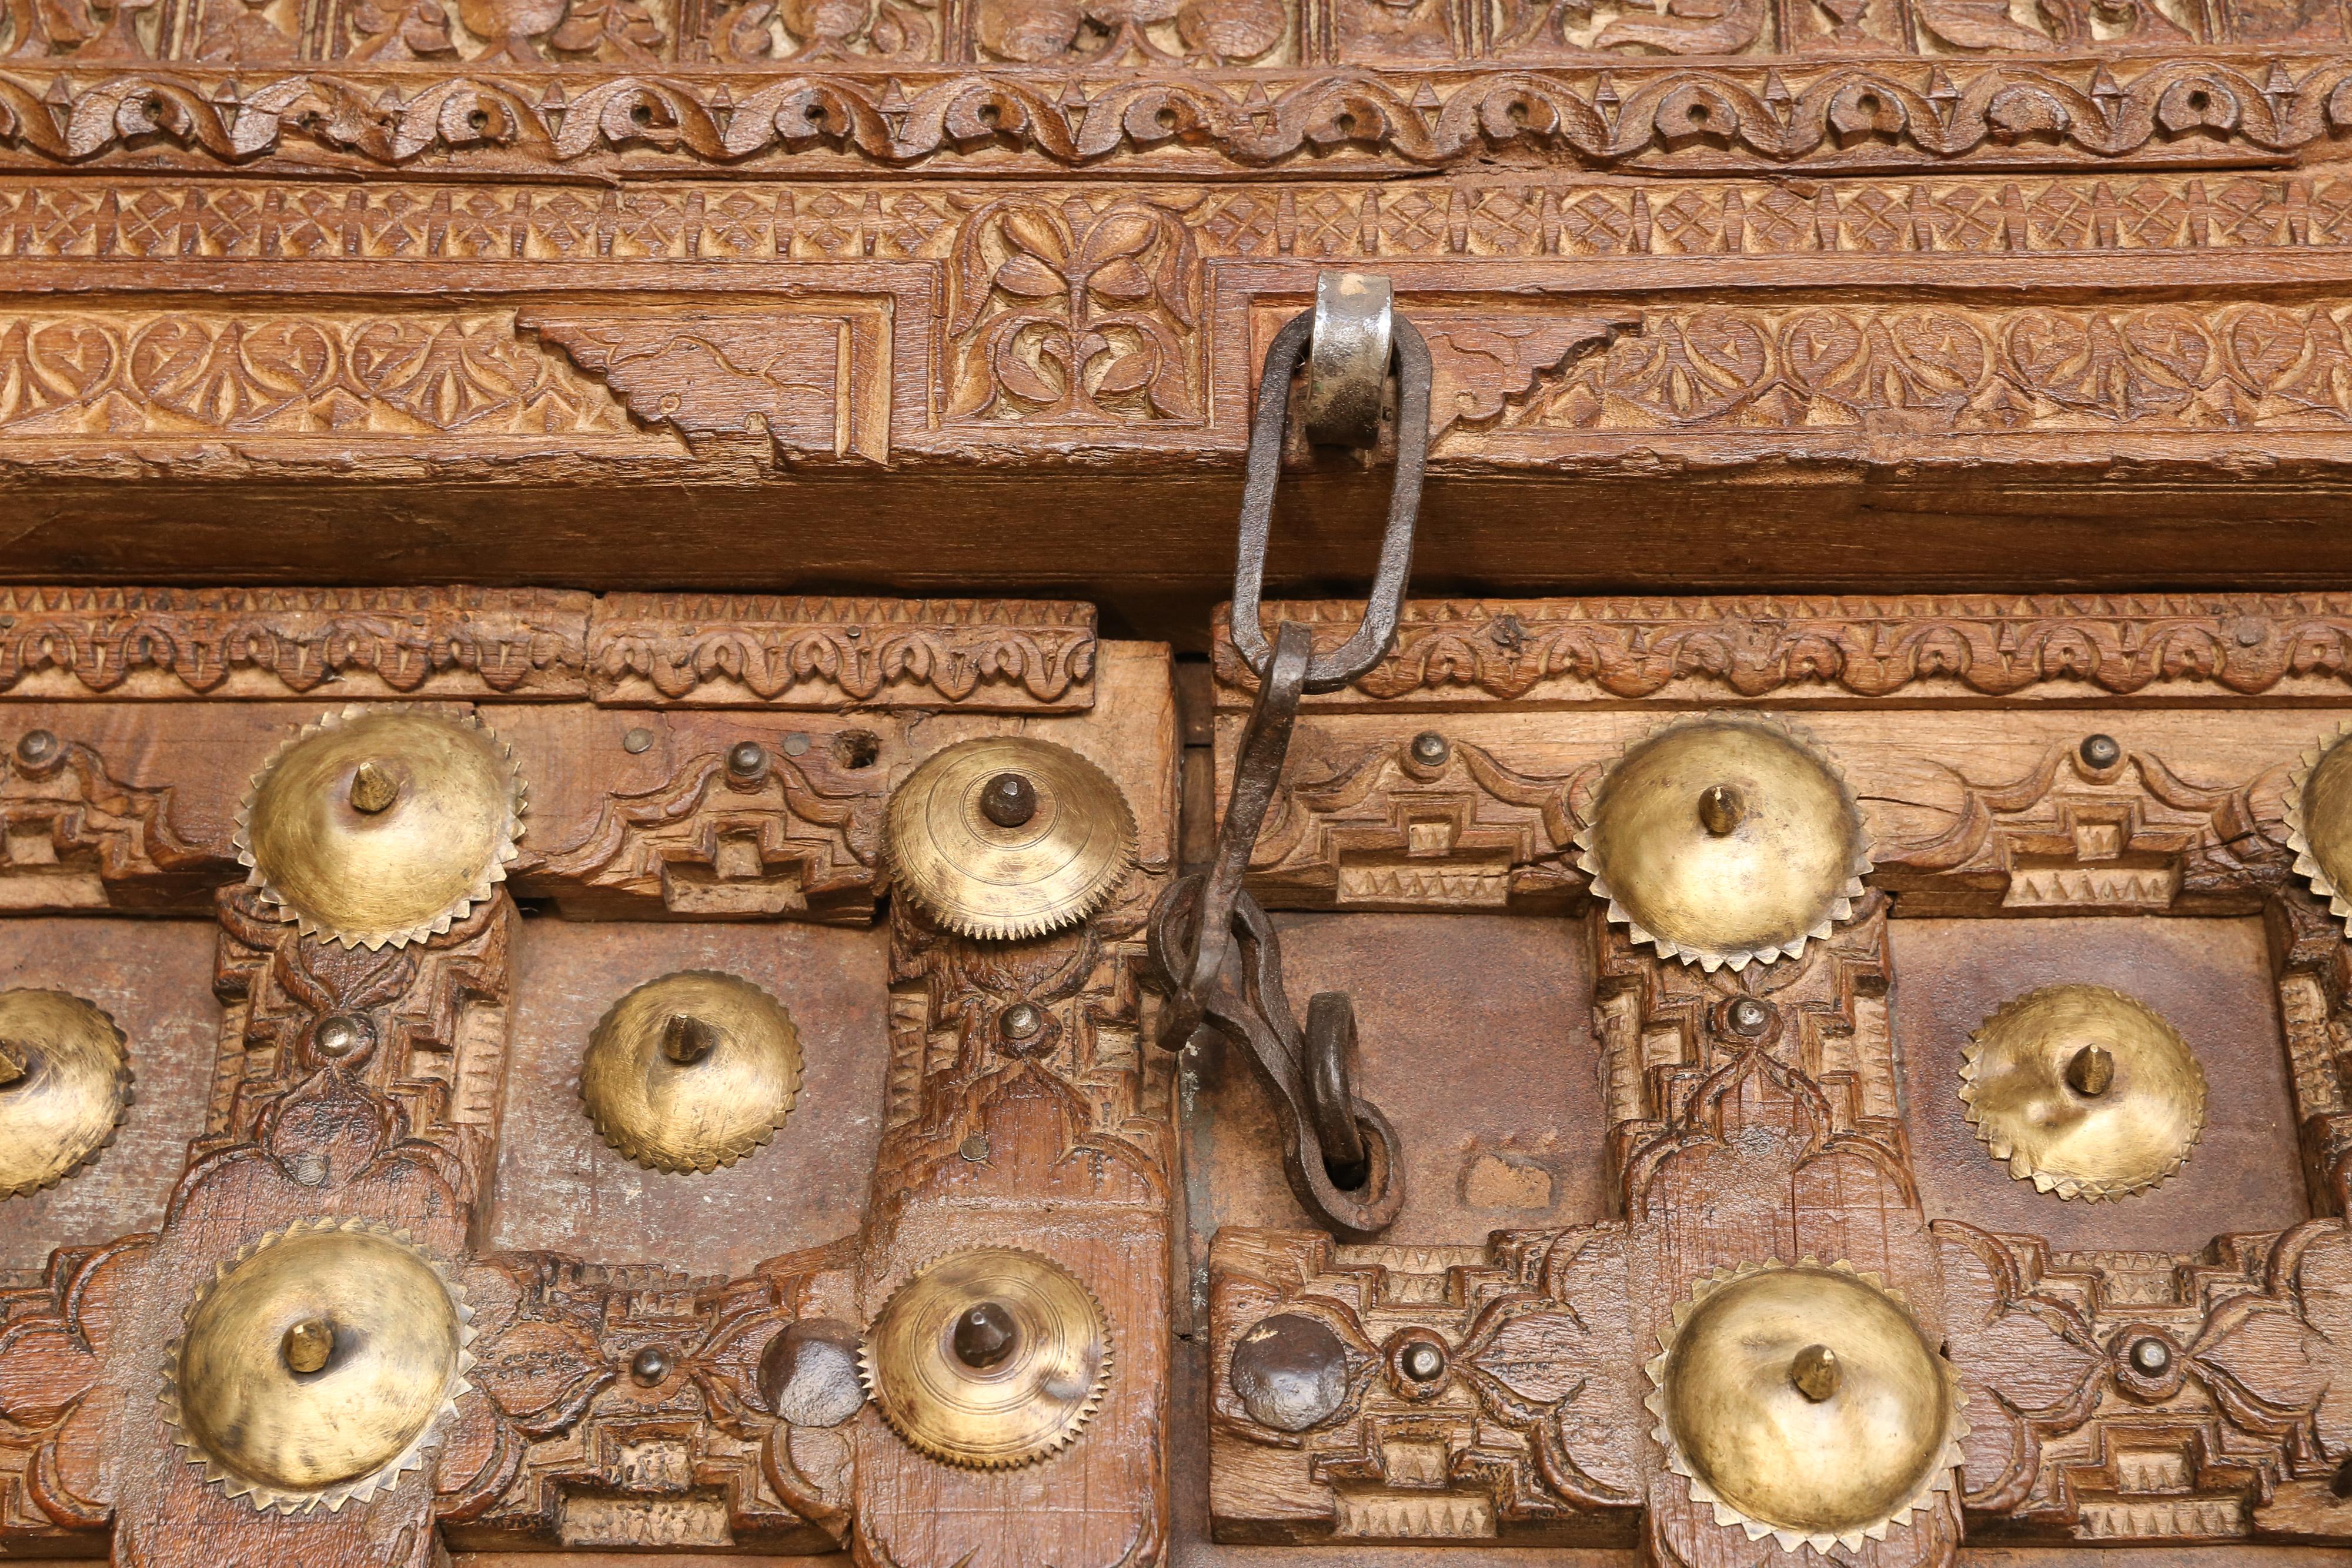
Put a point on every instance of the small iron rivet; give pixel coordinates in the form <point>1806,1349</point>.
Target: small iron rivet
<point>984,1335</point>
<point>2151,1355</point>
<point>1430,749</point>
<point>1022,1020</point>
<point>1815,1373</point>
<point>2090,1072</point>
<point>1423,1362</point>
<point>36,745</point>
<point>308,1344</point>
<point>686,1040</point>
<point>1720,808</point>
<point>746,759</point>
<point>796,744</point>
<point>338,1036</point>
<point>649,1366</point>
<point>2249,633</point>
<point>1749,1016</point>
<point>2101,751</point>
<point>1008,799</point>
<point>975,1149</point>
<point>374,789</point>
<point>638,741</point>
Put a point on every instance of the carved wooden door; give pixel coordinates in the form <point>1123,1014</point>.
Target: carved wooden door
<point>659,1057</point>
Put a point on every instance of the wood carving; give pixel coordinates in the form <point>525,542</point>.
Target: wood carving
<point>1715,650</point>
<point>1534,215</point>
<point>72,837</point>
<point>337,377</point>
<point>623,1407</point>
<point>748,652</point>
<point>1636,112</point>
<point>798,835</point>
<point>818,385</point>
<point>175,643</point>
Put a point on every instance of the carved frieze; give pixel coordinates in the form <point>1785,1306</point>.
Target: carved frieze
<point>1791,647</point>
<point>1725,119</point>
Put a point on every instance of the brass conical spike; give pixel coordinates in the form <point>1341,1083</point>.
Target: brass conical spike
<point>381,826</point>
<point>1725,840</point>
<point>1006,836</point>
<point>317,1366</point>
<point>691,1071</point>
<point>1804,1402</point>
<point>2083,1091</point>
<point>988,1358</point>
<point>64,1082</point>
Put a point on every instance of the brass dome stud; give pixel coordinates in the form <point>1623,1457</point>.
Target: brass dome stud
<point>1725,840</point>
<point>691,1071</point>
<point>1804,1402</point>
<point>64,1082</point>
<point>317,1365</point>
<point>2319,815</point>
<point>381,826</point>
<point>1007,836</point>
<point>2083,1091</point>
<point>988,1358</point>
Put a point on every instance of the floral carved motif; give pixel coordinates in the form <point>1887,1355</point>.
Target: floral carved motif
<point>98,372</point>
<point>1933,368</point>
<point>1063,312</point>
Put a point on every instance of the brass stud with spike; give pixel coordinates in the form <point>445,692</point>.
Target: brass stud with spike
<point>1804,1402</point>
<point>317,1366</point>
<point>64,1082</point>
<point>381,826</point>
<point>2083,1091</point>
<point>1009,836</point>
<point>2318,818</point>
<point>988,1358</point>
<point>1725,840</point>
<point>691,1071</point>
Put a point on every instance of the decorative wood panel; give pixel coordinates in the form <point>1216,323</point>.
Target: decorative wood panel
<point>2127,1378</point>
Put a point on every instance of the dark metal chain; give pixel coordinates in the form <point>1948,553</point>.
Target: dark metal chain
<point>1213,945</point>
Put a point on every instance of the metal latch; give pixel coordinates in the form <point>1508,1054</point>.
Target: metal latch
<point>1341,1155</point>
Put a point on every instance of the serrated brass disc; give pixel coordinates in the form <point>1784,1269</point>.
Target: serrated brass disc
<point>1052,1352</point>
<point>692,1070</point>
<point>1725,840</point>
<point>982,868</point>
<point>381,825</point>
<point>2085,1091</point>
<point>2319,820</point>
<point>316,1366</point>
<point>1804,1402</point>
<point>65,1081</point>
